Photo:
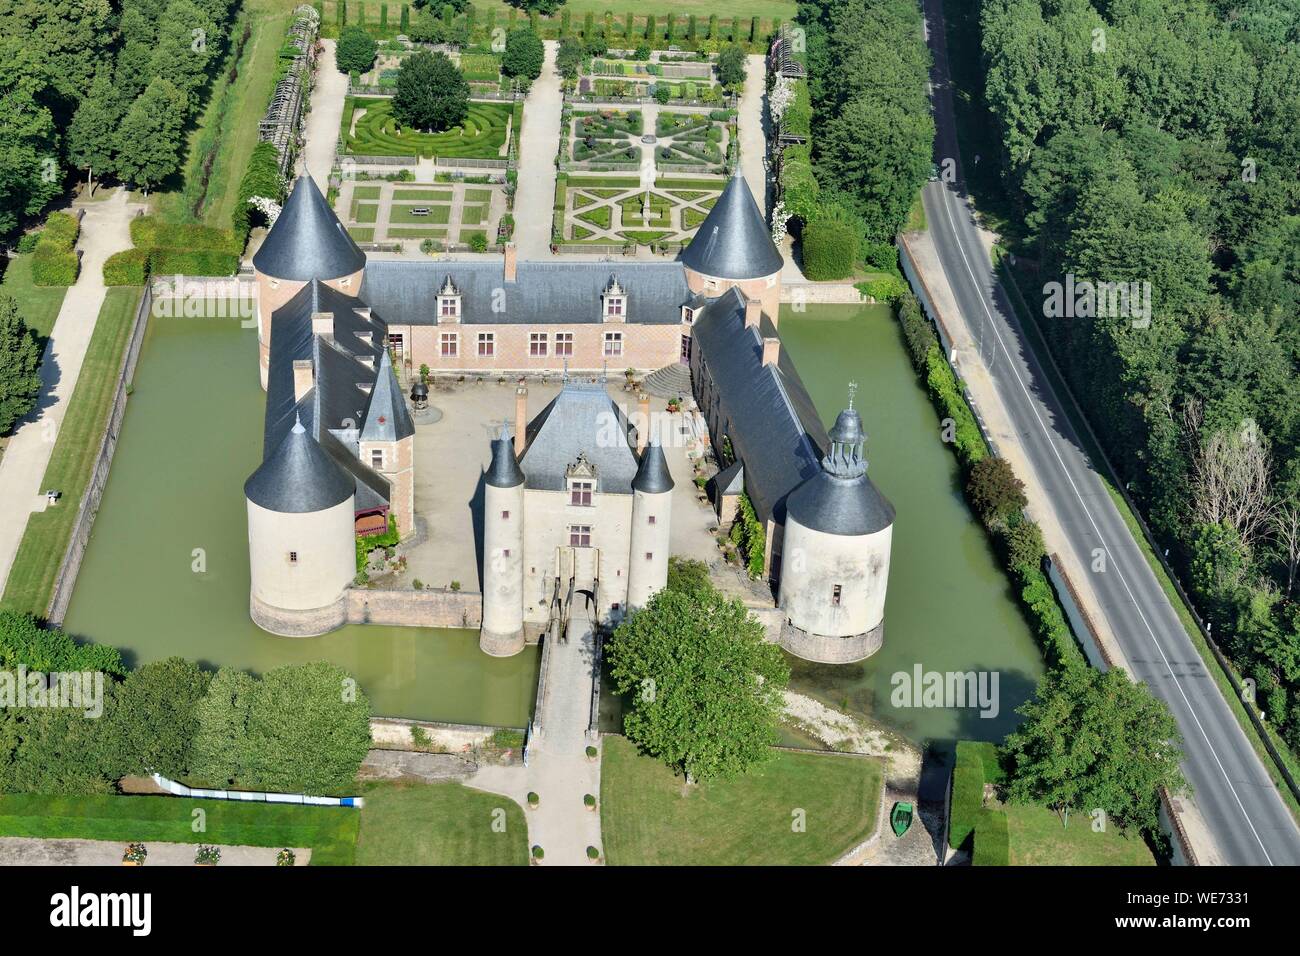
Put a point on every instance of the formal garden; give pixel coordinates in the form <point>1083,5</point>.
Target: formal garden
<point>617,210</point>
<point>453,212</point>
<point>370,128</point>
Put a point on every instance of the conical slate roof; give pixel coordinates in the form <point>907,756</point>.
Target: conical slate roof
<point>307,240</point>
<point>299,477</point>
<point>652,476</point>
<point>504,471</point>
<point>733,242</point>
<point>387,418</point>
<point>841,499</point>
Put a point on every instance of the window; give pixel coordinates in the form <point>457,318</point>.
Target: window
<point>613,343</point>
<point>346,282</point>
<point>448,307</point>
<point>487,344</point>
<point>614,305</point>
<point>293,557</point>
<point>377,459</point>
<point>395,342</point>
<point>505,552</point>
<point>580,536</point>
<point>835,596</point>
<point>650,520</point>
<point>688,314</point>
<point>649,555</point>
<point>563,343</point>
<point>580,493</point>
<point>505,516</point>
<point>537,343</point>
<point>449,344</point>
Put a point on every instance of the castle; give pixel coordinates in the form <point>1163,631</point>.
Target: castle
<point>577,500</point>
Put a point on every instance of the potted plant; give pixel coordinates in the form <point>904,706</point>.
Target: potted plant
<point>675,405</point>
<point>533,800</point>
<point>537,853</point>
<point>135,854</point>
<point>285,857</point>
<point>207,855</point>
<point>593,854</point>
<point>591,752</point>
<point>589,801</point>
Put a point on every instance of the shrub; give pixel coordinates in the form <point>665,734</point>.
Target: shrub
<point>994,490</point>
<point>830,249</point>
<point>196,262</point>
<point>1024,544</point>
<point>588,800</point>
<point>591,751</point>
<point>991,840</point>
<point>28,241</point>
<point>533,799</point>
<point>128,267</point>
<point>54,258</point>
<point>286,857</point>
<point>207,855</point>
<point>593,853</point>
<point>524,55</point>
<point>355,50</point>
<point>538,852</point>
<point>478,242</point>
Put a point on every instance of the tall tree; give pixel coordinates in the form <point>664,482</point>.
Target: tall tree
<point>92,135</point>
<point>20,360</point>
<point>431,93</point>
<point>148,143</point>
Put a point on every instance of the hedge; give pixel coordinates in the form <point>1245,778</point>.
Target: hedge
<point>54,257</point>
<point>969,821</point>
<point>150,232</point>
<point>129,267</point>
<point>992,840</point>
<point>830,249</point>
<point>195,262</point>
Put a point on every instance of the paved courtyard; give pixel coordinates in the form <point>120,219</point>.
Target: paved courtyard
<point>452,454</point>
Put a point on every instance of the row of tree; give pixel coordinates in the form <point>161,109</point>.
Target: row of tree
<point>1155,143</point>
<point>99,87</point>
<point>298,728</point>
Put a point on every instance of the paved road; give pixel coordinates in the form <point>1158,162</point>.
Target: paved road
<point>322,129</point>
<point>1237,798</point>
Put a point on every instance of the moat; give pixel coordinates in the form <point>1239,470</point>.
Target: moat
<point>166,572</point>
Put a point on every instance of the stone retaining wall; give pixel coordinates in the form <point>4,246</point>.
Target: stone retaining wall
<point>409,608</point>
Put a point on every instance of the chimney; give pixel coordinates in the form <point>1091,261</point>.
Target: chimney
<point>322,323</point>
<point>771,350</point>
<point>753,313</point>
<point>521,416</point>
<point>643,421</point>
<point>304,377</point>
<point>512,261</point>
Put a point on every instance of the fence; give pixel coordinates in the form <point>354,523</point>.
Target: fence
<point>449,161</point>
<point>595,250</point>
<point>66,578</point>
<point>363,160</point>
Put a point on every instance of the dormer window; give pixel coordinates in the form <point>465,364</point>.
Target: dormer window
<point>448,302</point>
<point>688,314</point>
<point>581,480</point>
<point>614,301</point>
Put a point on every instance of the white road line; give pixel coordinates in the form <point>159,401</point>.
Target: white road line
<point>1068,477</point>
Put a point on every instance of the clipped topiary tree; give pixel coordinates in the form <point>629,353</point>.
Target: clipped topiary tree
<point>830,249</point>
<point>431,92</point>
<point>355,51</point>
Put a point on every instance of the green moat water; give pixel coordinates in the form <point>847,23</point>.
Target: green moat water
<point>192,434</point>
<point>949,607</point>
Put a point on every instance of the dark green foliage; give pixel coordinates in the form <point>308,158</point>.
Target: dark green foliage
<point>355,50</point>
<point>153,721</point>
<point>523,56</point>
<point>830,249</point>
<point>731,65</point>
<point>569,57</point>
<point>994,490</point>
<point>262,178</point>
<point>431,93</point>
<point>20,362</point>
<point>128,267</point>
<point>54,261</point>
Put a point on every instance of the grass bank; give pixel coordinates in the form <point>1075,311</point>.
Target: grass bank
<point>650,817</point>
<point>41,550</point>
<point>439,824</point>
<point>331,832</point>
<point>38,305</point>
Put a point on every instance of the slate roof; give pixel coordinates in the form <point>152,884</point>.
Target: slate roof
<point>652,475</point>
<point>731,480</point>
<point>775,430</point>
<point>504,471</point>
<point>842,499</point>
<point>299,476</point>
<point>387,417</point>
<point>733,242</point>
<point>405,292</point>
<point>581,420</point>
<point>307,240</point>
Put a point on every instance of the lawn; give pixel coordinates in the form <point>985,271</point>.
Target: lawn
<point>227,127</point>
<point>362,233</point>
<point>38,305</point>
<point>365,212</point>
<point>439,824</point>
<point>597,217</point>
<point>437,215</point>
<point>434,195</point>
<point>478,195</point>
<point>1038,839</point>
<point>648,816</point>
<point>473,215</point>
<point>479,137</point>
<point>46,539</point>
<point>414,232</point>
<point>366,192</point>
<point>331,832</point>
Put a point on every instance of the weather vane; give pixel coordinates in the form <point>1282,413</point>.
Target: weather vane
<point>853,390</point>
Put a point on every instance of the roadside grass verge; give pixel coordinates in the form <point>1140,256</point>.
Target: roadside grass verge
<point>438,824</point>
<point>331,832</point>
<point>31,580</point>
<point>650,817</point>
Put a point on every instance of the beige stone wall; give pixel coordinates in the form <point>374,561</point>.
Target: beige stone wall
<point>645,347</point>
<point>503,567</point>
<point>399,469</point>
<point>322,542</point>
<point>548,516</point>
<point>648,575</point>
<point>395,733</point>
<point>813,563</point>
<point>428,608</point>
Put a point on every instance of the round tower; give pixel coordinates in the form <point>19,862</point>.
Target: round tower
<point>652,509</point>
<point>733,248</point>
<point>835,555</point>
<point>301,539</point>
<point>306,242</point>
<point>502,633</point>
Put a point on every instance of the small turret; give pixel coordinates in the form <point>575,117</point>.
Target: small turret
<point>502,633</point>
<point>651,528</point>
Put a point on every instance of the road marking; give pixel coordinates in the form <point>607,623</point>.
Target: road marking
<point>1068,477</point>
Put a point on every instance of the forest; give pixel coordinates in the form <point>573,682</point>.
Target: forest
<point>100,87</point>
<point>1157,143</point>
